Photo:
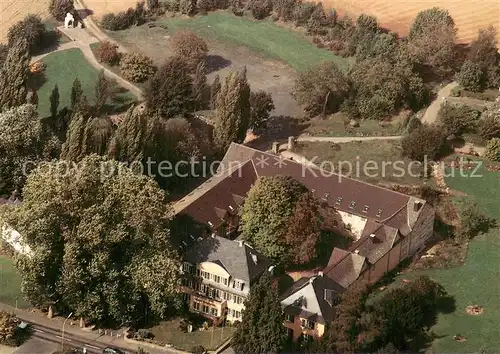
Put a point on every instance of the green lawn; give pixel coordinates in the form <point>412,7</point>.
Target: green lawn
<point>10,284</point>
<point>62,68</point>
<point>263,37</point>
<point>386,163</point>
<point>476,282</point>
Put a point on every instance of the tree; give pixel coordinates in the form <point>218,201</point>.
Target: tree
<point>321,89</point>
<point>317,23</point>
<point>261,105</point>
<point>489,125</point>
<point>136,67</point>
<point>107,52</point>
<point>86,135</point>
<point>102,92</point>
<point>492,151</point>
<point>14,75</point>
<point>473,221</point>
<point>189,47</point>
<point>404,313</point>
<point>260,8</point>
<point>31,29</point>
<point>266,213</point>
<point>8,325</point>
<point>232,111</point>
<point>59,8</point>
<point>170,91</point>
<point>54,102</point>
<point>32,98</point>
<point>214,90</point>
<point>20,145</point>
<point>471,76</point>
<point>200,88</point>
<point>261,329</point>
<point>483,53</point>
<point>425,142</point>
<point>432,39</point>
<point>361,42</point>
<point>100,239</point>
<point>187,7</point>
<point>76,93</point>
<point>303,232</point>
<point>4,50</point>
<point>458,120</point>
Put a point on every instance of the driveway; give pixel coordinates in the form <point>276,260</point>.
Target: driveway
<point>431,113</point>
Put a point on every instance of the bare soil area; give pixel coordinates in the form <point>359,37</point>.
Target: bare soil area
<point>270,76</point>
<point>469,15</point>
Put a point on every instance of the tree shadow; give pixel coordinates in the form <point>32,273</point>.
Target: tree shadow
<point>278,128</point>
<point>35,81</point>
<point>215,62</point>
<point>82,14</point>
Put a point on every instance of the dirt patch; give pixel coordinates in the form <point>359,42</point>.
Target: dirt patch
<point>267,75</point>
<point>474,310</point>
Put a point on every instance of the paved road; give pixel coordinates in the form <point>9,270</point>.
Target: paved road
<point>430,115</point>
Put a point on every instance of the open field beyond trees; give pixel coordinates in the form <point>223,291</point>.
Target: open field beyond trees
<point>358,153</point>
<point>102,7</point>
<point>62,68</point>
<point>469,15</point>
<point>264,37</point>
<point>12,11</point>
<point>474,283</point>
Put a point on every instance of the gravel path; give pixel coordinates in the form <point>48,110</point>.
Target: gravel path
<point>430,115</point>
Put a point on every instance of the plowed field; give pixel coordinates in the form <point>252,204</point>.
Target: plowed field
<point>12,11</point>
<point>102,7</point>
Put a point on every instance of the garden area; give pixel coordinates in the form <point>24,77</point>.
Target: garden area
<point>173,332</point>
<point>61,69</point>
<point>380,153</point>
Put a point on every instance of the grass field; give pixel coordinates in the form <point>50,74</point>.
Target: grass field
<point>264,37</point>
<point>357,153</point>
<point>10,284</point>
<point>62,68</point>
<point>476,282</point>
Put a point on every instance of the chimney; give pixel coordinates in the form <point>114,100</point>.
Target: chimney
<point>254,258</point>
<point>356,251</point>
<point>291,143</point>
<point>213,235</point>
<point>240,242</point>
<point>231,208</point>
<point>320,274</point>
<point>276,148</point>
<point>417,205</point>
<point>372,235</point>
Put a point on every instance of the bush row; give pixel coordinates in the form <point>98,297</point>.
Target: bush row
<point>125,19</point>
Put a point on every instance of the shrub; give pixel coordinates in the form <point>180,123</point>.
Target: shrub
<point>124,19</point>
<point>59,8</point>
<point>144,334</point>
<point>136,67</point>
<point>458,119</point>
<point>198,349</point>
<point>171,5</point>
<point>471,76</point>
<point>8,326</point>
<point>492,151</point>
<point>473,222</point>
<point>427,141</point>
<point>260,8</point>
<point>303,13</point>
<point>187,7</point>
<point>188,46</point>
<point>107,52</point>
<point>489,126</point>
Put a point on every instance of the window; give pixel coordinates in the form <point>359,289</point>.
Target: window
<point>217,293</point>
<point>216,279</point>
<point>289,318</point>
<point>196,306</point>
<point>198,272</point>
<point>379,213</point>
<point>205,275</point>
<point>352,205</point>
<point>236,314</point>
<point>338,201</point>
<point>226,281</point>
<point>239,300</point>
<point>213,311</point>
<point>210,292</point>
<point>186,267</point>
<point>303,322</point>
<point>310,324</point>
<point>226,296</point>
<point>289,333</point>
<point>205,308</point>
<point>365,209</point>
<point>307,338</point>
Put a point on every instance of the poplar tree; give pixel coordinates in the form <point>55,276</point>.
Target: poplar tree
<point>102,92</point>
<point>214,90</point>
<point>232,111</point>
<point>261,329</point>
<point>200,88</point>
<point>54,102</point>
<point>76,93</point>
<point>14,75</point>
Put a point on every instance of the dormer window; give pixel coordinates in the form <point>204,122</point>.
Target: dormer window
<point>352,205</point>
<point>365,209</point>
<point>379,213</point>
<point>239,285</point>
<point>338,201</point>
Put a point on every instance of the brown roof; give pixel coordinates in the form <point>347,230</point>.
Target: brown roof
<point>337,255</point>
<point>347,270</point>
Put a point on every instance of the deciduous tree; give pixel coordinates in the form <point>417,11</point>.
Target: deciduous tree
<point>14,75</point>
<point>59,8</point>
<point>32,29</point>
<point>493,150</point>
<point>188,46</point>
<point>261,105</point>
<point>489,125</point>
<point>321,89</point>
<point>136,67</point>
<point>170,91</point>
<point>232,111</point>
<point>471,77</point>
<point>107,52</point>
<point>261,330</point>
<point>458,120</point>
<point>100,241</point>
<point>427,141</point>
<point>8,325</point>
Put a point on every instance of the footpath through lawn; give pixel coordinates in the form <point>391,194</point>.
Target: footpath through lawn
<point>264,37</point>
